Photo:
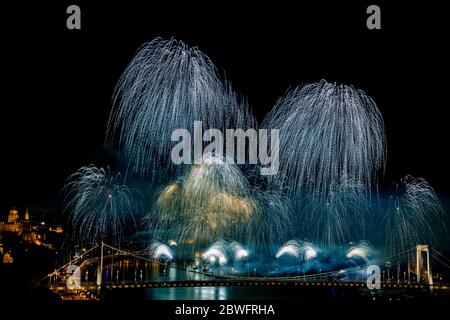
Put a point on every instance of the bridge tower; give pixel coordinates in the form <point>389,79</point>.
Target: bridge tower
<point>420,249</point>
<point>100,266</point>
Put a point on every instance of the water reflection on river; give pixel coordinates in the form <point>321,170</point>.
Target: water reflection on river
<point>190,293</point>
<point>233,293</point>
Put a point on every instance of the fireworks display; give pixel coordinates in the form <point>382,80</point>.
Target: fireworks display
<point>332,146</point>
<point>217,253</point>
<point>215,200</point>
<point>239,252</point>
<point>272,155</point>
<point>298,249</point>
<point>99,205</point>
<point>222,252</point>
<point>168,86</point>
<point>158,251</point>
<point>336,219</point>
<point>362,250</point>
<point>332,150</point>
<point>329,134</point>
<point>414,215</point>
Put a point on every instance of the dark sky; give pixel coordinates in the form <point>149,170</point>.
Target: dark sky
<point>58,83</point>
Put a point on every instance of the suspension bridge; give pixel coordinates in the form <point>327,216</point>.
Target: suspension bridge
<point>107,267</point>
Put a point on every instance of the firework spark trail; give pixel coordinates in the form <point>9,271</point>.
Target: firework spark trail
<point>168,86</point>
<point>338,218</point>
<point>100,207</point>
<point>291,248</point>
<point>224,252</point>
<point>328,134</point>
<point>158,250</point>
<point>414,215</point>
<point>363,250</point>
<point>275,223</point>
<point>214,200</point>
<point>217,252</point>
<point>238,252</point>
<point>299,249</point>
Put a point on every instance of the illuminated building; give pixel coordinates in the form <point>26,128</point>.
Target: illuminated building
<point>27,215</point>
<point>15,224</point>
<point>13,216</point>
<point>7,258</point>
<point>28,231</point>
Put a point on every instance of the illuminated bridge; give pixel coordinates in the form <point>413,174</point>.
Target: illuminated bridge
<point>106,267</point>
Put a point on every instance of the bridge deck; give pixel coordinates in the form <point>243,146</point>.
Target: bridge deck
<point>247,282</point>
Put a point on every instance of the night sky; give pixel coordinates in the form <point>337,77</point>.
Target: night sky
<point>58,82</point>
